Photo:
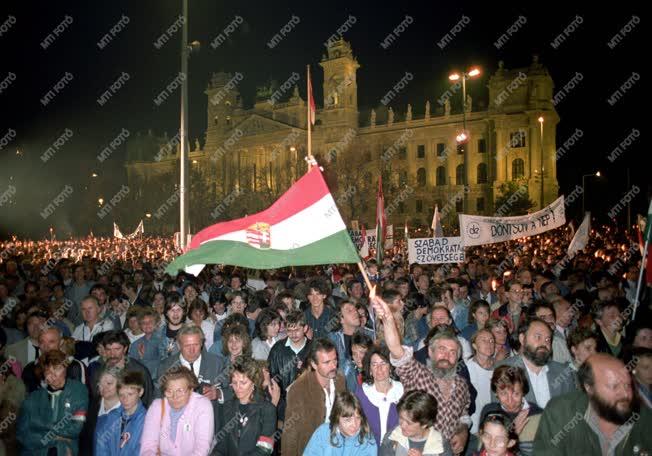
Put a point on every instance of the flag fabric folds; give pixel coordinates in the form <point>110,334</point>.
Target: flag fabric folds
<point>436,223</point>
<point>303,227</point>
<point>581,238</point>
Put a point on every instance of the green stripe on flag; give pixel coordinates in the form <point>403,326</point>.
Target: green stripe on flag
<point>336,248</point>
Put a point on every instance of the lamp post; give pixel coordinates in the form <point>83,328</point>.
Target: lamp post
<point>540,119</point>
<point>183,129</point>
<point>596,174</point>
<point>463,138</point>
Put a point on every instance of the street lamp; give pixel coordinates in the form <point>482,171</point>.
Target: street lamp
<point>463,138</point>
<point>100,201</point>
<point>148,215</point>
<point>540,119</point>
<point>94,175</point>
<point>596,174</point>
<point>186,50</point>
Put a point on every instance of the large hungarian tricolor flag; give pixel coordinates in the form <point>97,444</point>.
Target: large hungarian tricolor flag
<point>303,227</point>
<point>381,223</point>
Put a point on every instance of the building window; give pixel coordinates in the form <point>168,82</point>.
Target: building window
<point>441,175</point>
<point>482,146</point>
<point>482,173</point>
<point>421,151</point>
<point>403,179</point>
<point>421,177</point>
<point>459,206</point>
<point>367,155</point>
<point>479,205</point>
<point>402,153</point>
<point>441,149</point>
<point>517,139</point>
<point>459,175</point>
<point>419,206</point>
<point>401,207</point>
<point>518,169</point>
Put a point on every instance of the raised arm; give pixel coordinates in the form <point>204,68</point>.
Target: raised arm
<point>392,337</point>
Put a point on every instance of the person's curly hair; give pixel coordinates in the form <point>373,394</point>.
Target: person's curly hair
<point>240,332</point>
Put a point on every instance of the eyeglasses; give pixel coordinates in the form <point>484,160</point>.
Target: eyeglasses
<point>176,392</point>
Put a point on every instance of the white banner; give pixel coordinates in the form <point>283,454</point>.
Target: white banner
<point>478,230</point>
<point>356,237</point>
<point>436,250</point>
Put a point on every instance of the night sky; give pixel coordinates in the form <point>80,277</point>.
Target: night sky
<point>28,72</point>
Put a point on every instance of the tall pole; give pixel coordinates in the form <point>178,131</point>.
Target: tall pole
<point>629,205</point>
<point>465,201</point>
<point>183,132</point>
<point>308,120</point>
<point>542,167</point>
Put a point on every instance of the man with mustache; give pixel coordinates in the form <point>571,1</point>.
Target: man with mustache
<point>439,379</point>
<point>547,378</point>
<point>116,347</point>
<point>605,418</point>
<point>311,397</point>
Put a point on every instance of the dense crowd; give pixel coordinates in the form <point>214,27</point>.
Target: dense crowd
<point>518,350</point>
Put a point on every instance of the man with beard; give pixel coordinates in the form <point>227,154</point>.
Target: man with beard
<point>116,345</point>
<point>605,418</point>
<point>547,379</point>
<point>310,398</point>
<point>440,379</point>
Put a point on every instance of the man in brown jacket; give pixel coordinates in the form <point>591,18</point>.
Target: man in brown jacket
<point>310,398</point>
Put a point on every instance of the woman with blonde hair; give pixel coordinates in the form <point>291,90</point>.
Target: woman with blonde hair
<point>181,423</point>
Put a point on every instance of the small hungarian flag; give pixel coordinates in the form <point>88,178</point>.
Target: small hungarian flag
<point>436,223</point>
<point>381,223</point>
<point>311,99</point>
<point>364,249</point>
<point>303,227</point>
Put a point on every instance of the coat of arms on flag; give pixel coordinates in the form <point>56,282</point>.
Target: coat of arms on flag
<point>259,235</point>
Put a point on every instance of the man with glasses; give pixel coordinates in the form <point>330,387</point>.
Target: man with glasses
<point>512,312</point>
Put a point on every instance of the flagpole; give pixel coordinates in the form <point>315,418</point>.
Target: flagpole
<point>308,119</point>
<point>648,235</point>
<point>364,275</point>
<point>640,277</point>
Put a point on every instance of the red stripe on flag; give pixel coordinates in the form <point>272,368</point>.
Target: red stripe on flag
<point>311,100</point>
<point>309,189</point>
